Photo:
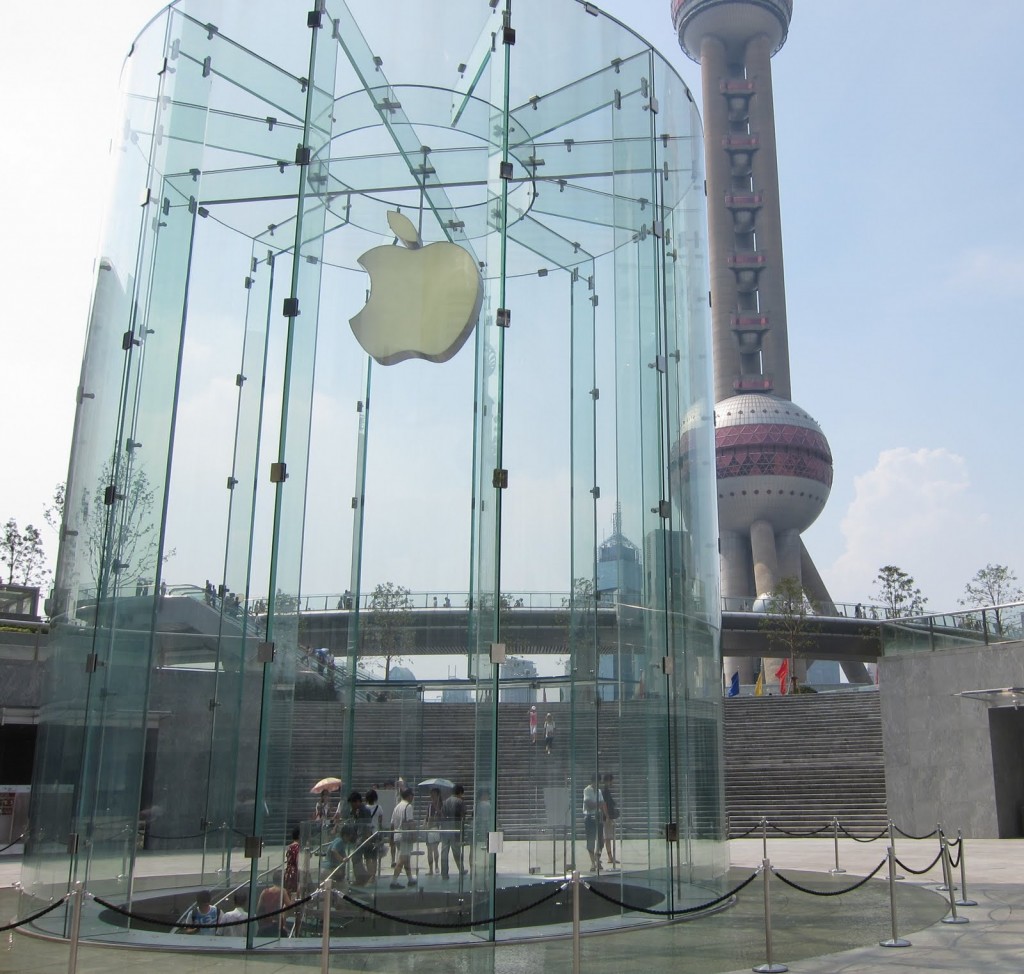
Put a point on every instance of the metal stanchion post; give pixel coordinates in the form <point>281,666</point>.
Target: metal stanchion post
<point>947,876</point>
<point>964,900</point>
<point>576,960</point>
<point>325,941</point>
<point>764,837</point>
<point>892,842</point>
<point>77,895</point>
<point>896,940</point>
<point>835,839</point>
<point>769,967</point>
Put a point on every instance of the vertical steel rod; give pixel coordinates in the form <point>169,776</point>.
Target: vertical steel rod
<point>964,900</point>
<point>835,839</point>
<point>77,895</point>
<point>769,967</point>
<point>576,965</point>
<point>896,940</point>
<point>325,940</point>
<point>947,873</point>
<point>764,838</point>
<point>892,842</point>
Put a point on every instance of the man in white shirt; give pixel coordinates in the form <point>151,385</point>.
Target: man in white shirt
<point>239,912</point>
<point>403,825</point>
<point>593,821</point>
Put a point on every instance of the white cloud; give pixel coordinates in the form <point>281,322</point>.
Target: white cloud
<point>987,270</point>
<point>915,509</point>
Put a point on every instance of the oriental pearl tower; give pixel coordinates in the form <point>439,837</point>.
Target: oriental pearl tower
<point>774,465</point>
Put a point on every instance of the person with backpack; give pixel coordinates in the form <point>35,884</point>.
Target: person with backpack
<point>204,916</point>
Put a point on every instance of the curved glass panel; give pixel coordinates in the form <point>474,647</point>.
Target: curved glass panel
<point>391,473</point>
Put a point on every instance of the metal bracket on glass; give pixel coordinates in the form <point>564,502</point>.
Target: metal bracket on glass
<point>497,652</point>
<point>671,831</point>
<point>92,663</point>
<point>499,478</point>
<point>504,318</point>
<point>664,509</point>
<point>72,843</point>
<point>668,665</point>
<point>232,483</point>
<point>303,154</point>
<point>265,653</point>
<point>508,34</point>
<point>291,308</point>
<point>660,363</point>
<point>278,472</point>
<point>110,495</point>
<point>207,63</point>
<point>128,339</point>
<point>506,170</point>
<point>596,491</point>
<point>253,846</point>
<point>595,394</point>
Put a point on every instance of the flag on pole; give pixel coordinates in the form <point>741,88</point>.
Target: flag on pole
<point>781,673</point>
<point>759,685</point>
<point>544,692</point>
<point>734,685</point>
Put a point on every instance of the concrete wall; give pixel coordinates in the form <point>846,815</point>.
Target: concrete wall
<point>939,761</point>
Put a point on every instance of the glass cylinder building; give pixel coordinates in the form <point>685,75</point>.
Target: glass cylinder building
<point>392,471</point>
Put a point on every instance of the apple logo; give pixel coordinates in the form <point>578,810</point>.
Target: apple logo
<point>424,301</point>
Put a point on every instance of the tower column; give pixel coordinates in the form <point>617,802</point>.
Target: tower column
<point>788,548</point>
<point>766,562</point>
<point>714,68</point>
<point>772,284</point>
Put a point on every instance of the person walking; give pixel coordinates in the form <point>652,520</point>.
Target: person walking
<point>593,821</point>
<point>611,814</point>
<point>533,724</point>
<point>403,826</point>
<point>549,733</point>
<point>432,823</point>
<point>453,818</point>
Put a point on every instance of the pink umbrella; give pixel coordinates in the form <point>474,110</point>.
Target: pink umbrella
<point>326,784</point>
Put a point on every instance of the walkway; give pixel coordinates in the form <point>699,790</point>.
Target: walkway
<point>808,930</point>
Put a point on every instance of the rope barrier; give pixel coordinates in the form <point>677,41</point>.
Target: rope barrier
<point>199,926</point>
<point>831,892</point>
<point>907,835</point>
<point>749,831</point>
<point>459,924</point>
<point>800,835</point>
<point>35,916</point>
<point>856,838</point>
<point>174,838</point>
<point>13,842</point>
<point>673,913</point>
<point>959,852</point>
<point>921,872</point>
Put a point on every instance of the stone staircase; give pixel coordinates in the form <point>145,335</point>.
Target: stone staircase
<point>800,760</point>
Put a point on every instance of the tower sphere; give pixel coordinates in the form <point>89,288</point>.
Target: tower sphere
<point>773,464</point>
<point>733,22</point>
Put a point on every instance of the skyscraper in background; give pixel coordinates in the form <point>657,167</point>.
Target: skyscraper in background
<point>774,464</point>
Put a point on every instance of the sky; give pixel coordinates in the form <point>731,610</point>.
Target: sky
<point>899,139</point>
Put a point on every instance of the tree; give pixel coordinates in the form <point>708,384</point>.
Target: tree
<point>122,537</point>
<point>387,628</point>
<point>53,514</point>
<point>22,558</point>
<point>898,593</point>
<point>992,585</point>
<point>787,622</point>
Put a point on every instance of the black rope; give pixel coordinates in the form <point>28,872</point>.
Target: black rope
<point>749,831</point>
<point>800,835</point>
<point>200,926</point>
<point>920,872</point>
<point>35,916</point>
<point>451,926</point>
<point>953,863</point>
<point>673,913</point>
<point>856,838</point>
<point>832,892</point>
<point>907,835</point>
<point>173,838</point>
<point>13,842</point>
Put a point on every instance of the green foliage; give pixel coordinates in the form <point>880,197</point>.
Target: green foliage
<point>992,585</point>
<point>386,631</point>
<point>788,624</point>
<point>897,591</point>
<point>22,558</point>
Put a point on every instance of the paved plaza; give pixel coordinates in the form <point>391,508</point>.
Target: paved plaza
<point>811,934</point>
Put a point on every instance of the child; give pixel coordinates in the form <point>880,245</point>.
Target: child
<point>203,915</point>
